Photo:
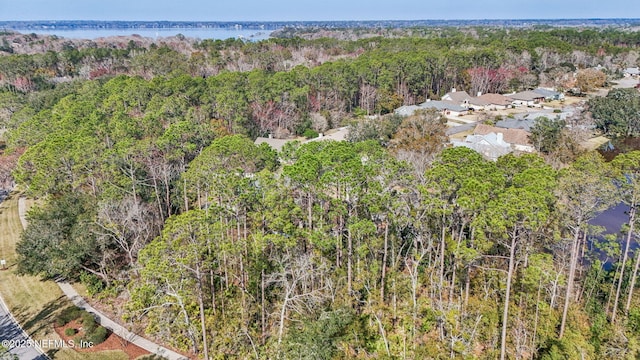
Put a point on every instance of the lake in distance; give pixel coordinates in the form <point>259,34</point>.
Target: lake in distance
<point>156,33</point>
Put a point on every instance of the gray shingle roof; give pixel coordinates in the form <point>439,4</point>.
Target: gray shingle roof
<point>526,96</point>
<point>407,110</point>
<point>490,145</point>
<point>632,71</point>
<point>443,105</point>
<point>546,92</point>
<point>517,123</point>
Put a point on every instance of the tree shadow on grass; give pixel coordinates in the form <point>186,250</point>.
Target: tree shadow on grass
<point>51,353</point>
<point>46,317</point>
<point>20,313</point>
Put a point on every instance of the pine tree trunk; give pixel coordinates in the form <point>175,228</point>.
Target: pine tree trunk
<point>384,261</point>
<point>349,261</point>
<point>505,312</point>
<point>203,325</point>
<point>632,218</point>
<point>263,319</point>
<point>634,274</point>
<point>572,274</point>
<point>442,253</point>
<point>633,281</point>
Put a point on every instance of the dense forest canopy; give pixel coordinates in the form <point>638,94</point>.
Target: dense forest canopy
<point>389,245</point>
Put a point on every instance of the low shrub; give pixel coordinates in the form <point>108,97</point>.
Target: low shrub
<point>97,336</point>
<point>310,134</point>
<point>89,324</point>
<point>151,357</point>
<point>68,314</point>
<point>94,284</point>
<point>70,331</point>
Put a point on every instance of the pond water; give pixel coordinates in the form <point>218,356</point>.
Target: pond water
<point>612,220</point>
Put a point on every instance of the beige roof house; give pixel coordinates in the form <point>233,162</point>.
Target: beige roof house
<point>497,100</point>
<point>461,98</point>
<point>478,103</point>
<point>518,138</point>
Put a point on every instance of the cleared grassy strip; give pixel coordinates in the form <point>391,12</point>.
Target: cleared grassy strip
<point>33,302</point>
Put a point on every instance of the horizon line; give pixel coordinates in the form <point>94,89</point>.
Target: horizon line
<point>333,20</point>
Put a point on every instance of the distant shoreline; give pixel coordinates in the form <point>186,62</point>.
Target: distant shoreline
<point>194,33</point>
<point>275,25</point>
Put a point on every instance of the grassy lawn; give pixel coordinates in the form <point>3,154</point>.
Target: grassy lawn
<point>33,302</point>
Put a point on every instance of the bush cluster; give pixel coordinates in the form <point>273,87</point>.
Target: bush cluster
<point>93,332</point>
<point>68,314</point>
<point>97,336</point>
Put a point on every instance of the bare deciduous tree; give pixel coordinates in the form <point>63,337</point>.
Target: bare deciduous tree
<point>305,285</point>
<point>129,223</point>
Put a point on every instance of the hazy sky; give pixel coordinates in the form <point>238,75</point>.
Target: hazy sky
<point>265,10</point>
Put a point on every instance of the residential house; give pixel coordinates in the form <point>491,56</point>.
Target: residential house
<point>549,94</point>
<point>495,101</point>
<point>477,103</point>
<point>407,110</point>
<point>517,138</point>
<point>519,122</point>
<point>462,98</point>
<point>465,100</point>
<point>631,72</point>
<point>526,98</point>
<point>491,145</point>
<point>525,121</point>
<point>339,134</point>
<point>445,107</point>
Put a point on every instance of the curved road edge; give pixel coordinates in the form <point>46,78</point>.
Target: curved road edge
<point>15,339</point>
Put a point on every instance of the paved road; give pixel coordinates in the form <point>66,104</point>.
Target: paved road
<point>117,329</point>
<point>15,339</point>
